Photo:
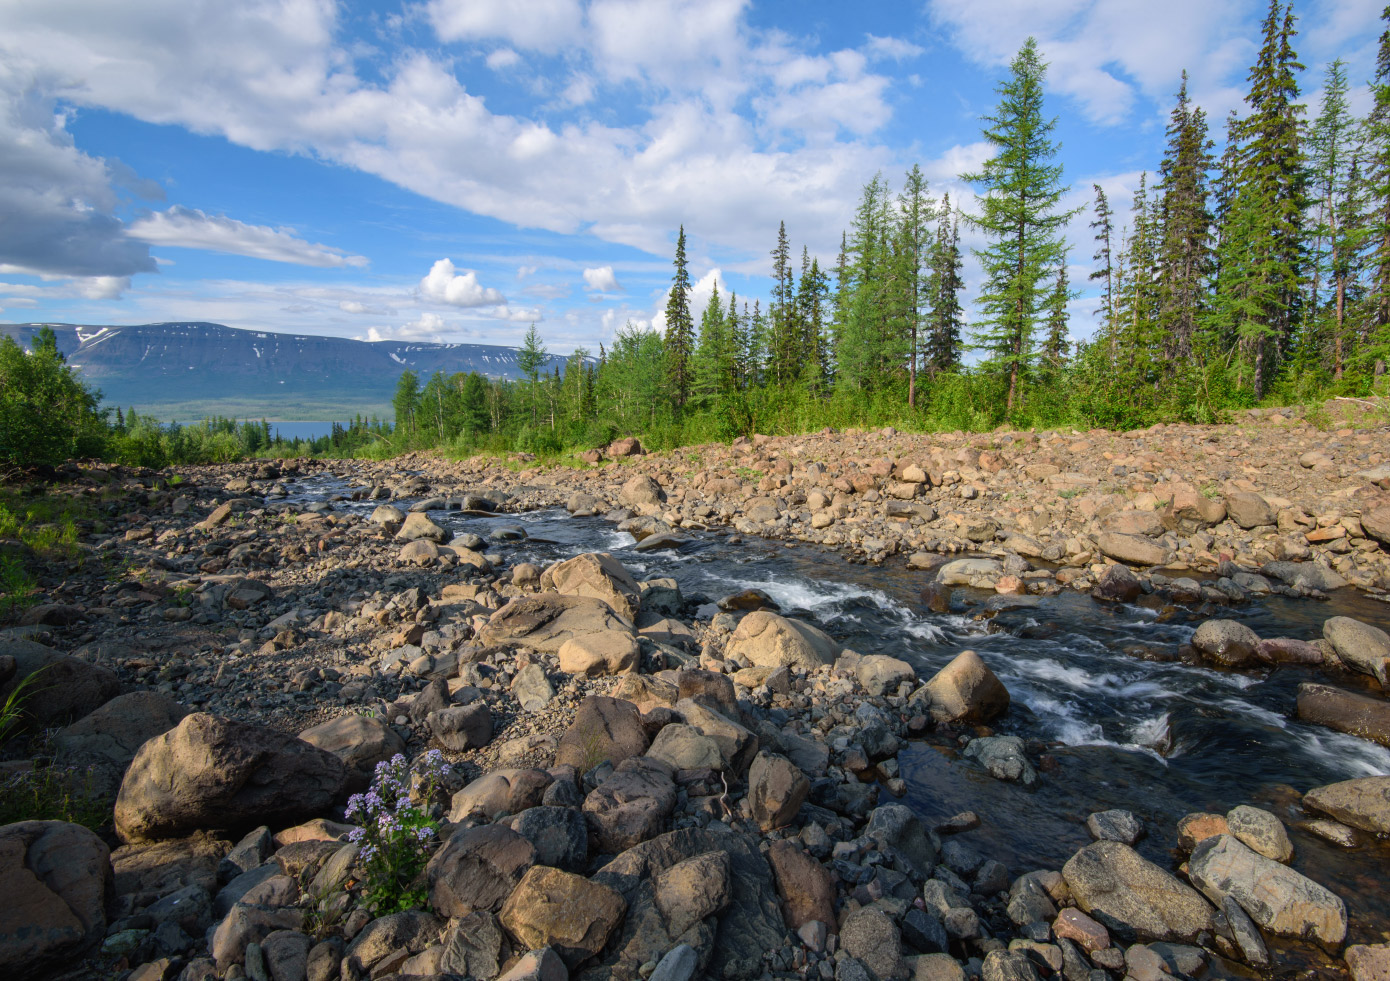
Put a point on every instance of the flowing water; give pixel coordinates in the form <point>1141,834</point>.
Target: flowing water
<point>1123,725</point>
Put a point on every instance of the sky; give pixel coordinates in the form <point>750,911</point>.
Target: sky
<point>455,170</point>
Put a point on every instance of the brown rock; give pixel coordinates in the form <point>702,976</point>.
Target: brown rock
<point>965,690</point>
<point>603,729</point>
<point>1249,510</point>
<point>1074,925</point>
<point>546,621</point>
<point>116,730</point>
<point>767,639</point>
<point>776,791</point>
<point>689,891</point>
<point>64,688</point>
<point>359,741</point>
<point>807,891</point>
<point>1345,711</point>
<point>565,912</point>
<point>57,882</point>
<point>1361,803</point>
<point>1368,962</point>
<point>596,655</point>
<point>477,868</point>
<point>599,576</point>
<point>1196,828</point>
<point>1134,549</point>
<point>631,806</point>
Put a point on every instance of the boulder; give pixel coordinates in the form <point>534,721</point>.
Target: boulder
<point>1362,803</point>
<point>532,689</point>
<point>691,890</point>
<point>360,741</point>
<point>559,835</point>
<point>1249,510</point>
<point>641,491</point>
<point>57,882</point>
<point>1360,646</point>
<point>1118,585</point>
<point>388,940</point>
<point>737,745</point>
<point>776,791</point>
<point>64,688</point>
<point>385,514</point>
<point>1004,759</point>
<point>568,913</point>
<point>1376,524</point>
<point>597,575</point>
<point>213,772</point>
<point>1260,830</point>
<point>870,935</point>
<point>1190,510</point>
<point>1345,711</point>
<point>1133,897</point>
<point>116,731</point>
<point>631,806</point>
<point>1115,825</point>
<point>1226,642</point>
<point>605,653</point>
<point>1276,897</point>
<point>881,675</point>
<point>1368,962</point>
<point>547,621</point>
<point>807,891</point>
<point>684,747</point>
<point>1144,523</point>
<point>418,525</point>
<point>604,730</point>
<point>770,640</point>
<point>898,831</point>
<point>1133,549</point>
<point>963,572</point>
<point>964,691</point>
<point>498,793</point>
<point>461,727</point>
<point>1304,575</point>
<point>477,869</point>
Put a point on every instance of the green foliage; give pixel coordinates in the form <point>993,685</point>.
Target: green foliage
<point>54,793</point>
<point>46,414</point>
<point>396,832</point>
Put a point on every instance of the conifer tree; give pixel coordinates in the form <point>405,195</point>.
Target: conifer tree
<point>1019,212</point>
<point>915,212</point>
<point>1056,344</point>
<point>680,330</point>
<point>781,353</point>
<point>1105,268</point>
<point>1378,184</point>
<point>1184,249</point>
<point>944,283</point>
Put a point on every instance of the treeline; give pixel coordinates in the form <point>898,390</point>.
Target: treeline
<point>1259,275</point>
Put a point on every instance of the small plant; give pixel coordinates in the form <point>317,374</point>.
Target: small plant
<point>1211,492</point>
<point>54,793</point>
<point>17,587</point>
<point>12,710</point>
<point>396,832</point>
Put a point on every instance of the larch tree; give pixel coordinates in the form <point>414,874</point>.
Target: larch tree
<point>1020,214</point>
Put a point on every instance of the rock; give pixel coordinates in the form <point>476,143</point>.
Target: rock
<point>631,806</point>
<point>924,932</point>
<point>568,913</point>
<point>605,653</point>
<point>1247,935</point>
<point>711,689</point>
<point>57,882</point>
<point>1198,827</point>
<point>1004,758</point>
<point>646,692</point>
<point>1134,549</point>
<point>360,741</point>
<point>477,869</point>
<point>1118,585</point>
<point>1276,897</point>
<point>880,675</point>
<point>1304,575</point>
<point>1345,711</point>
<point>385,514</point>
<point>1226,642</point>
<point>1376,524</point>
<point>286,954</point>
<point>776,791</point>
<point>737,745</point>
<point>116,730</point>
<point>1361,803</point>
<point>897,830</point>
<point>498,793</point>
<point>559,835</point>
<point>684,747</point>
<point>541,965</point>
<point>869,935</point>
<point>249,923</point>
<point>691,890</point>
<point>1115,825</point>
<point>418,525</point>
<point>679,964</point>
<point>64,689</point>
<point>1144,523</point>
<point>1074,925</point>
<point>965,690</point>
<point>807,891</point>
<point>597,575</point>
<point>1131,896</point>
<point>1368,962</point>
<point>215,772</point>
<point>936,967</point>
<point>420,552</point>
<point>963,572</point>
<point>1249,510</point>
<point>770,640</point>
<point>747,599</point>
<point>1360,646</point>
<point>473,946</point>
<point>532,689</point>
<point>640,490</point>
<point>1287,650</point>
<point>385,939</point>
<point>547,621</point>
<point>461,727</point>
<point>604,729</point>
<point>1009,965</point>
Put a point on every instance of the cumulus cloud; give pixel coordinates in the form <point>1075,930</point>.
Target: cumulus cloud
<point>602,279</point>
<point>190,228</point>
<point>445,284</point>
<point>537,25</point>
<point>891,47</point>
<point>430,327</point>
<point>502,59</point>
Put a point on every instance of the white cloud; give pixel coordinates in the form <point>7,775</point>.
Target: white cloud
<point>430,327</point>
<point>523,271</point>
<point>891,47</point>
<point>502,59</point>
<point>103,287</point>
<point>444,284</point>
<point>602,279</point>
<point>538,25</point>
<point>190,228</point>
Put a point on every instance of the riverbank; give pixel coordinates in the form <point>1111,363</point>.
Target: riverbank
<point>603,724</point>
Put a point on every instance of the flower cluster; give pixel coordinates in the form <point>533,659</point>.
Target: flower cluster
<point>395,830</point>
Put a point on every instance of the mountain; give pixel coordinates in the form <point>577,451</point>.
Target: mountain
<point>188,370</point>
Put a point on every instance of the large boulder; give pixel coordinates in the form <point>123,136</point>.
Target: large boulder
<point>807,891</point>
<point>737,744</point>
<point>1276,897</point>
<point>1226,642</point>
<point>57,883</point>
<point>1362,803</point>
<point>477,869</point>
<point>1376,524</point>
<point>1249,510</point>
<point>565,912</point>
<point>1360,646</point>
<point>605,653</point>
<point>547,621</point>
<point>64,688</point>
<point>641,491</point>
<point>360,741</point>
<point>776,791</point>
<point>213,772</point>
<point>769,640</point>
<point>870,935</point>
<point>632,805</point>
<point>604,730</point>
<point>597,575</point>
<point>1134,897</point>
<point>965,690</point>
<point>881,675</point>
<point>116,731</point>
<point>1133,549</point>
<point>1345,711</point>
<point>418,525</point>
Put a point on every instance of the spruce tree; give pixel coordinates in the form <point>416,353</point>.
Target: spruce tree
<point>915,213</point>
<point>1056,341</point>
<point>1020,214</point>
<point>944,283</point>
<point>781,353</point>
<point>1105,268</point>
<point>680,331</point>
<point>1184,248</point>
<point>1378,184</point>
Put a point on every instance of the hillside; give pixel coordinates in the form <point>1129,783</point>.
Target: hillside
<point>187,370</point>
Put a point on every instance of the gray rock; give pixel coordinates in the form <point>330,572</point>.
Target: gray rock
<point>679,964</point>
<point>776,790</point>
<point>1008,965</point>
<point>1115,825</point>
<point>1260,830</point>
<point>559,835</point>
<point>1003,758</point>
<point>57,882</point>
<point>461,727</point>
<point>532,688</point>
<point>477,868</point>
<point>1226,642</point>
<point>869,935</point>
<point>1131,896</point>
<point>632,805</point>
<point>116,730</point>
<point>1361,803</point>
<point>897,829</point>
<point>1277,898</point>
<point>1360,646</point>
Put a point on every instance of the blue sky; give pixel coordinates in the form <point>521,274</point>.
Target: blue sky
<point>454,169</point>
